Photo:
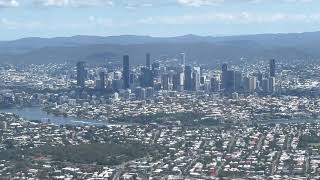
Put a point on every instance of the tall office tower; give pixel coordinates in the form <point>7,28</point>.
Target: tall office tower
<point>272,84</point>
<point>224,70</point>
<point>102,76</point>
<point>132,79</point>
<point>146,78</point>
<point>165,81</point>
<point>188,78</point>
<point>195,81</point>
<point>272,67</point>
<point>259,78</point>
<point>230,82</point>
<point>140,93</point>
<point>215,84</point>
<point>81,74</point>
<point>202,79</point>
<point>265,85</point>
<point>126,72</point>
<point>156,70</point>
<point>196,78</point>
<point>177,81</point>
<point>253,84</point>
<point>148,61</point>
<point>183,59</point>
<point>246,84</point>
<point>237,81</point>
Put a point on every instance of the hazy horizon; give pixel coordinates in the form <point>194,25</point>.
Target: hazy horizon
<point>167,18</point>
<point>152,36</point>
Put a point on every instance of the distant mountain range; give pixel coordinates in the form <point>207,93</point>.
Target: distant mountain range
<point>203,49</point>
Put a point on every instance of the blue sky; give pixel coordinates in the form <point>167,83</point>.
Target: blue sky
<point>52,18</point>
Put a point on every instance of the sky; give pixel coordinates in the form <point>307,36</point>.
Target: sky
<point>160,18</point>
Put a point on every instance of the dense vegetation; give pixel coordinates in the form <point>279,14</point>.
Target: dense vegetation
<point>185,118</point>
<point>101,154</point>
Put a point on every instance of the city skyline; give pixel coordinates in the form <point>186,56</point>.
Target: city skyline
<point>159,89</point>
<point>56,18</point>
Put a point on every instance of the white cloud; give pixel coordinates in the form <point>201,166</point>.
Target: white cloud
<point>8,3</point>
<point>73,3</point>
<point>12,24</point>
<point>150,3</point>
<point>231,18</point>
<point>198,3</point>
<point>104,22</point>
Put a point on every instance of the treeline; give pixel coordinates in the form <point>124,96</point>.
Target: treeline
<point>186,118</point>
<point>101,154</point>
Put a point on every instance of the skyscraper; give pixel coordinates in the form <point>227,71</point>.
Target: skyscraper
<point>148,60</point>
<point>238,81</point>
<point>165,81</point>
<point>260,78</point>
<point>253,84</point>
<point>177,81</point>
<point>246,84</point>
<point>126,72</point>
<point>183,59</point>
<point>230,81</point>
<point>265,85</point>
<point>224,70</point>
<point>188,78</point>
<point>272,67</point>
<point>81,74</point>
<point>102,76</point>
<point>146,78</point>
<point>272,83</point>
<point>196,78</point>
<point>215,85</point>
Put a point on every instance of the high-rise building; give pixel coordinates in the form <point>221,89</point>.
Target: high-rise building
<point>265,85</point>
<point>224,70</point>
<point>132,79</point>
<point>237,80</point>
<point>272,84</point>
<point>156,69</point>
<point>183,59</point>
<point>165,81</point>
<point>102,76</point>
<point>148,61</point>
<point>272,68</point>
<point>215,84</point>
<point>259,78</point>
<point>195,81</point>
<point>126,72</point>
<point>196,78</point>
<point>246,84</point>
<point>188,78</point>
<point>177,81</point>
<point>81,74</point>
<point>253,84</point>
<point>146,78</point>
<point>140,93</point>
<point>202,79</point>
<point>230,81</point>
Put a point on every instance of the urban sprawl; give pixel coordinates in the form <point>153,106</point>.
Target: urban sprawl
<point>166,119</point>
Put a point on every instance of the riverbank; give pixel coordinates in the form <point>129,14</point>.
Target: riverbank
<point>35,113</point>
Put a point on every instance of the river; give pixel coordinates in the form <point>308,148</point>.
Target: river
<point>35,113</point>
